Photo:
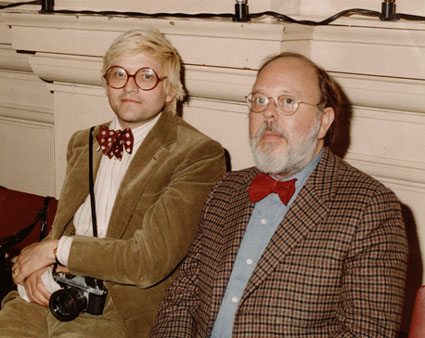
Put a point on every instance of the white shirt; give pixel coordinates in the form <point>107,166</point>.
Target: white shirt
<point>108,181</point>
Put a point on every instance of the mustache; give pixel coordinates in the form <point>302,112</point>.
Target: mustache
<point>269,127</point>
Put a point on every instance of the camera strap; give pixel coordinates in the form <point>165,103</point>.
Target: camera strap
<point>91,184</point>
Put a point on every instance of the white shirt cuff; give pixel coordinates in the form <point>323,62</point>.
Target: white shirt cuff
<point>64,247</point>
<point>49,284</point>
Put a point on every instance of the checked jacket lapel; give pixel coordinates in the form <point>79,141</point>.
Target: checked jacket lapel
<point>232,233</point>
<point>308,209</point>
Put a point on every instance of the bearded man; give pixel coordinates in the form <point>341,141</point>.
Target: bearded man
<point>302,245</point>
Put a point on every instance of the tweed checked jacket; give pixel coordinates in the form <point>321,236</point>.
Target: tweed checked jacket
<point>154,218</point>
<point>335,267</point>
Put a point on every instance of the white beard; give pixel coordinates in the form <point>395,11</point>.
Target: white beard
<point>284,162</point>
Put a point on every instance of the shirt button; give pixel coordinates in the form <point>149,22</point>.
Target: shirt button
<point>249,261</point>
<point>263,221</point>
<point>234,299</point>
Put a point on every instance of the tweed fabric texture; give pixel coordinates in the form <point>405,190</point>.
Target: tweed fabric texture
<point>335,266</point>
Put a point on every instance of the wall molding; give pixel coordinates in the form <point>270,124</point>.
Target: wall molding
<point>403,172</point>
<point>23,94</point>
<point>11,60</point>
<point>26,114</point>
<point>373,91</point>
<point>222,57</point>
<point>235,84</point>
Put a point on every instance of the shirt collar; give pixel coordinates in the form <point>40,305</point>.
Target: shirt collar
<point>139,133</point>
<point>303,175</point>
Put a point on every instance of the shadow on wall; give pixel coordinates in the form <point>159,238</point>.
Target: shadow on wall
<point>179,112</point>
<point>414,270</point>
<point>338,138</point>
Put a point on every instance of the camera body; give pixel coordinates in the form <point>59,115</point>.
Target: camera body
<point>79,294</point>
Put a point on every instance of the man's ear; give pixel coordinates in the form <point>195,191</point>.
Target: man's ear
<point>106,89</point>
<point>326,120</point>
<point>170,97</point>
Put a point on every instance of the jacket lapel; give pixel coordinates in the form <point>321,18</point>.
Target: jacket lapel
<point>144,164</point>
<point>234,227</point>
<point>76,186</point>
<point>308,209</point>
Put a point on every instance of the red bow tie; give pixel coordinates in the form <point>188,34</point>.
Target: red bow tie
<point>263,185</point>
<point>113,142</point>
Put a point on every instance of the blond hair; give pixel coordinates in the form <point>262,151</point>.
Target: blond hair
<point>151,42</point>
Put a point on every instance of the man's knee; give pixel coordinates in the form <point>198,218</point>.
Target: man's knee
<point>18,318</point>
<point>10,296</point>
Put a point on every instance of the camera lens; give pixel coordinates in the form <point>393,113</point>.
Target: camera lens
<point>67,304</point>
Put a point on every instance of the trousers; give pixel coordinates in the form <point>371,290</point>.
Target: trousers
<point>20,319</point>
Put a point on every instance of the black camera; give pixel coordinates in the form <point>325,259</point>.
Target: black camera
<point>79,294</point>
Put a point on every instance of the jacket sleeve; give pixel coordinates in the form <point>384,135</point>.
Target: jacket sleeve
<point>55,232</point>
<point>164,223</point>
<point>177,311</point>
<point>374,278</point>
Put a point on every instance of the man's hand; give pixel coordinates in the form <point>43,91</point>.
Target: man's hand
<point>34,287</point>
<point>33,258</point>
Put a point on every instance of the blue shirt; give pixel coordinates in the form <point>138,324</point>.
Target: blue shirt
<point>266,217</point>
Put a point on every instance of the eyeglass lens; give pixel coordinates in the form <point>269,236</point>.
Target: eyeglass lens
<point>145,78</point>
<point>286,104</point>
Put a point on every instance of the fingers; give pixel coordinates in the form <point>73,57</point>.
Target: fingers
<point>19,267</point>
<point>36,290</point>
<point>32,258</point>
<point>15,275</point>
<point>62,268</point>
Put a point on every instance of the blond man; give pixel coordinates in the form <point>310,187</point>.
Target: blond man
<point>152,173</point>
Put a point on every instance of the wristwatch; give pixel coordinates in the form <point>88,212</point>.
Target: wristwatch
<point>55,251</point>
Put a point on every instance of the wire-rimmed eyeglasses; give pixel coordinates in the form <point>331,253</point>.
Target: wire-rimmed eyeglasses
<point>145,78</point>
<point>286,104</point>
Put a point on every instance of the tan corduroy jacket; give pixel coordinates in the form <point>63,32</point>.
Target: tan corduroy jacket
<point>154,218</point>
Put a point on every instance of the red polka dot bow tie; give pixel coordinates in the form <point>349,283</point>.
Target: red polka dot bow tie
<point>113,142</point>
<point>263,185</point>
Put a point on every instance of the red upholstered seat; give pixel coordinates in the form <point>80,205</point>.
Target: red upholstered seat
<point>19,209</point>
<point>417,324</point>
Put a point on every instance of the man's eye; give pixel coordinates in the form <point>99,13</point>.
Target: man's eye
<point>287,101</point>
<point>147,76</point>
<point>119,73</point>
<point>260,100</point>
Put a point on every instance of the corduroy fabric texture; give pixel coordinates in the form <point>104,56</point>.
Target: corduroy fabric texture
<point>153,221</point>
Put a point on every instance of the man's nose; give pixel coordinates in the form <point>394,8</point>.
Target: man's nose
<point>271,110</point>
<point>131,85</point>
